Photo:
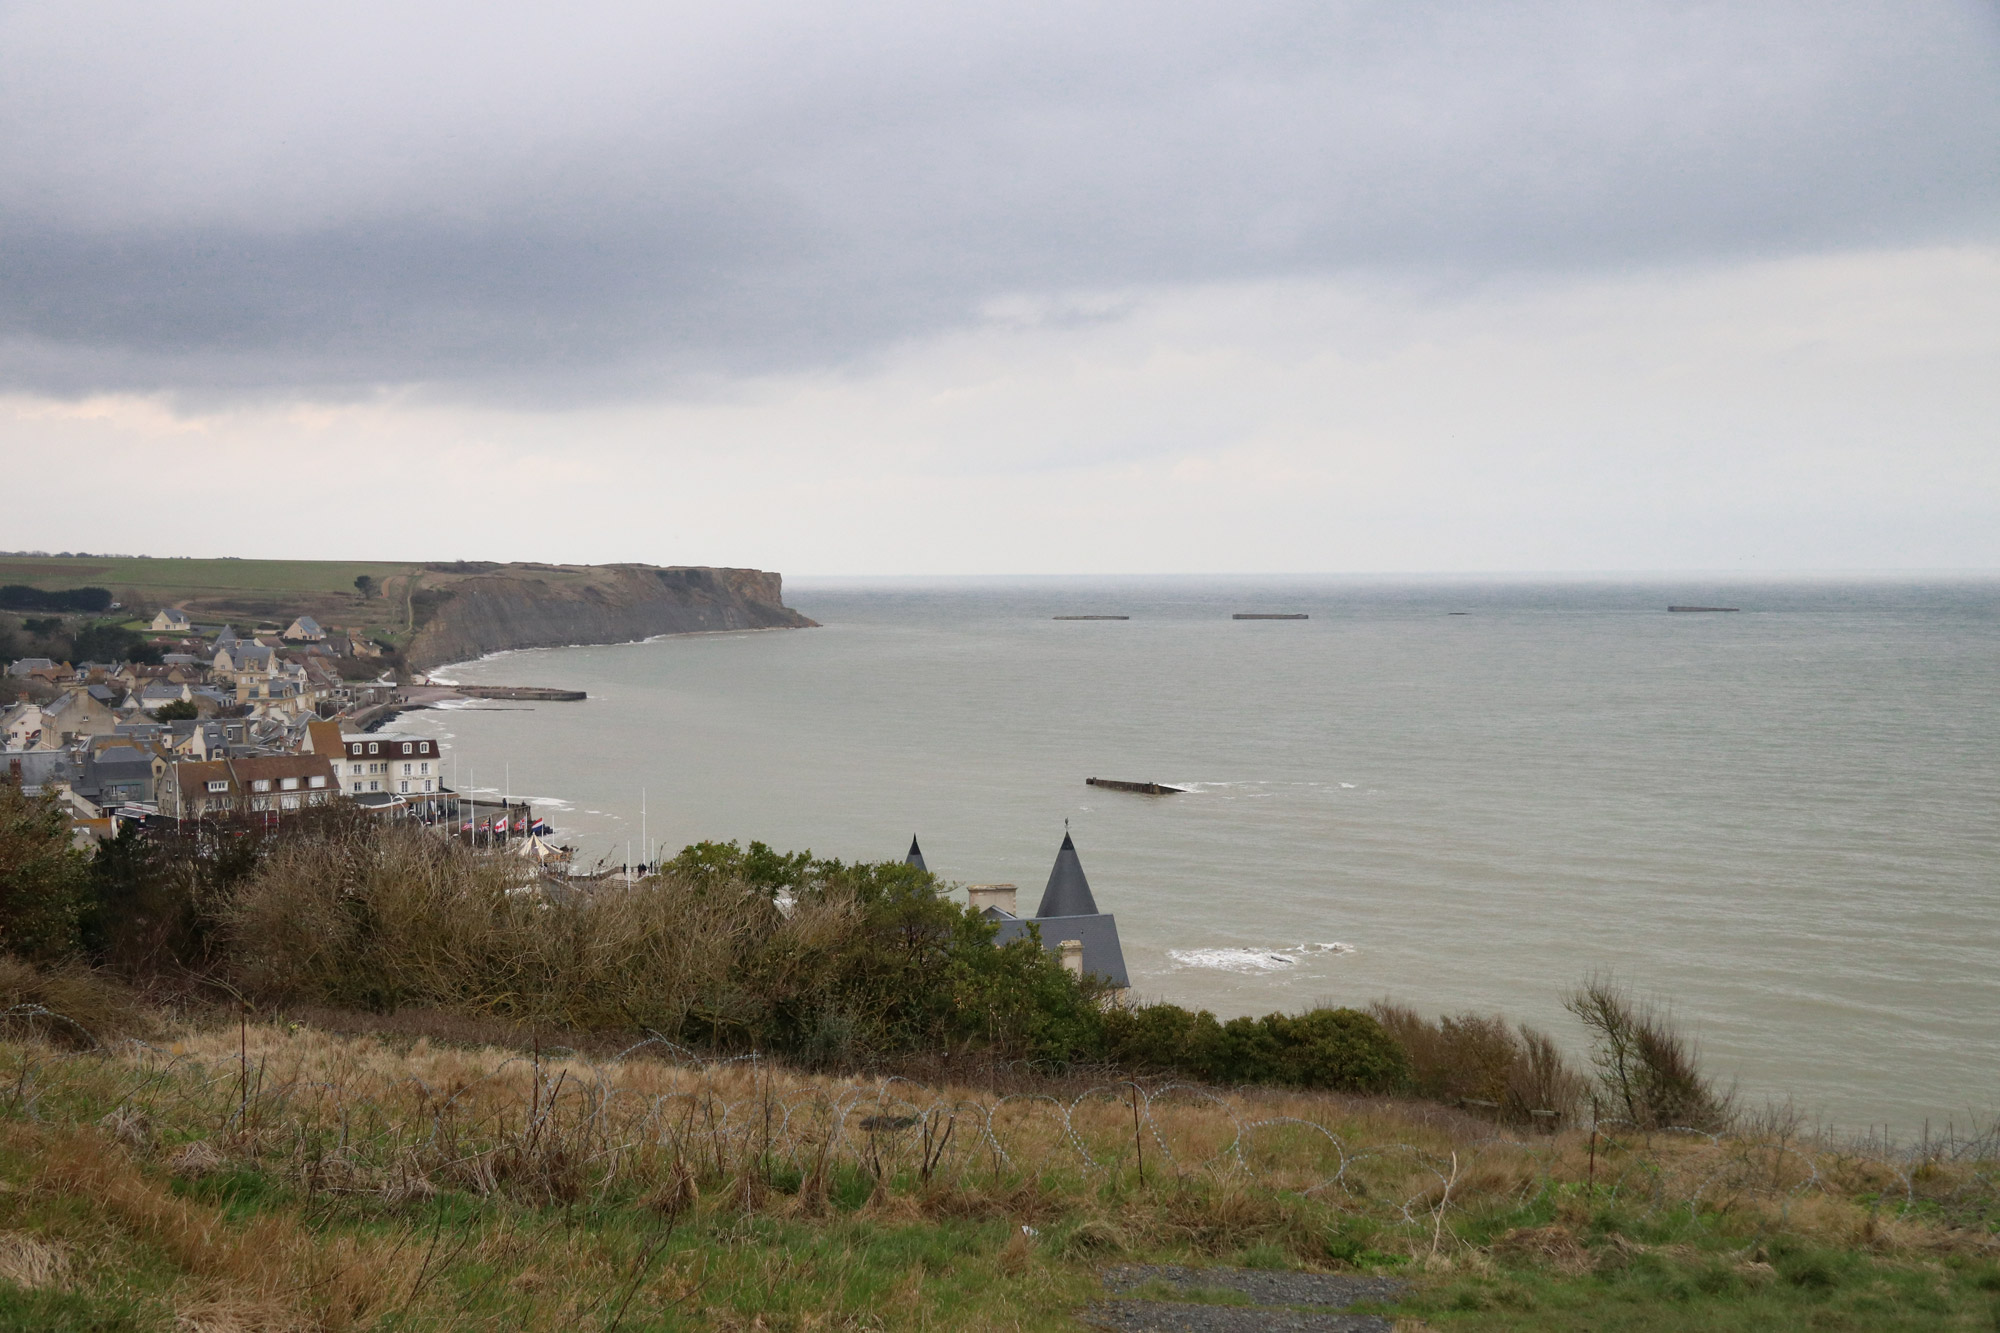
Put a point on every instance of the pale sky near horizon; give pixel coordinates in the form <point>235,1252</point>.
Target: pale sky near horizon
<point>1055,288</point>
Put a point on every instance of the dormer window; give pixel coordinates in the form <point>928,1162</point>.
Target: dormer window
<point>406,747</point>
<point>289,784</point>
<point>373,748</point>
<point>261,784</point>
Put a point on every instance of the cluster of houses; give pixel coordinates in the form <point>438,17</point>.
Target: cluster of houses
<point>274,728</point>
<point>290,677</point>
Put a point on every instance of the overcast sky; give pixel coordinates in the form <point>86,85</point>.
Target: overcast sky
<point>1077,287</point>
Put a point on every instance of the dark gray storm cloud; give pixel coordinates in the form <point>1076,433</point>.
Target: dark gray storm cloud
<point>555,201</point>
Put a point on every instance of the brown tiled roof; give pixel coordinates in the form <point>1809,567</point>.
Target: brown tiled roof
<point>358,749</point>
<point>325,737</point>
<point>196,774</point>
<point>250,769</point>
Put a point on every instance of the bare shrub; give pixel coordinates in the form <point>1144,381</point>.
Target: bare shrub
<point>1541,1079</point>
<point>1647,1066</point>
<point>1481,1059</point>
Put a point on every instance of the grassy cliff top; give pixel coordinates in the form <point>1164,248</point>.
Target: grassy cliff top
<point>172,580</point>
<point>279,1175</point>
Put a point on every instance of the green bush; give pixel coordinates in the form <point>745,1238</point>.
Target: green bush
<point>1342,1049</point>
<point>43,880</point>
<point>725,948</point>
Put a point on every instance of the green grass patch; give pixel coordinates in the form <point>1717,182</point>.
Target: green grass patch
<point>69,1312</point>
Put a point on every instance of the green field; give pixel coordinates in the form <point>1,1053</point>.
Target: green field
<point>172,580</point>
<point>236,591</point>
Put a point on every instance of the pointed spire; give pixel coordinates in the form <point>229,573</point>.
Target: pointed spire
<point>1068,893</point>
<point>916,856</point>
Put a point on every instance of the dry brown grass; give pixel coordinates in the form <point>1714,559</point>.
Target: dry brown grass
<point>268,1271</point>
<point>84,1007</point>
<point>32,1262</point>
<point>383,1125</point>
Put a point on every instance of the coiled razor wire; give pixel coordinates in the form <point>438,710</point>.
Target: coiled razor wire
<point>721,1114</point>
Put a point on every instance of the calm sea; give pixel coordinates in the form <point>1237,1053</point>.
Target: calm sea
<point>1785,820</point>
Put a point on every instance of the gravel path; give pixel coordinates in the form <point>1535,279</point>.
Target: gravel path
<point>1333,1290</point>
<point>1327,1291</point>
<point>1172,1317</point>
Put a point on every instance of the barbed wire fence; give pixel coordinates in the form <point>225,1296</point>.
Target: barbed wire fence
<point>558,1125</point>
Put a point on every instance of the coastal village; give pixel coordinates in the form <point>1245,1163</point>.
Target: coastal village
<point>204,725</point>
<point>207,723</point>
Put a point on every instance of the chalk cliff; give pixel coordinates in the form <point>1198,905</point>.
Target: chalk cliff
<point>462,612</point>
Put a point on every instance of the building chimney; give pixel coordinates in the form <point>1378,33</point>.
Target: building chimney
<point>1072,956</point>
<point>983,896</point>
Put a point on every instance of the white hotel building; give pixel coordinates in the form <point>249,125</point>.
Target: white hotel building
<point>385,763</point>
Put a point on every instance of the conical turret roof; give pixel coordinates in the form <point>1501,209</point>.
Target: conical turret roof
<point>916,856</point>
<point>1068,893</point>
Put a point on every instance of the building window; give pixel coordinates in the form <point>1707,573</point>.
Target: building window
<point>406,770</point>
<point>406,747</point>
<point>261,784</point>
<point>405,786</point>
<point>222,785</point>
<point>289,802</point>
<point>373,747</point>
<point>317,782</point>
<point>423,768</point>
<point>374,786</point>
<point>357,770</point>
<point>427,784</point>
<point>289,784</point>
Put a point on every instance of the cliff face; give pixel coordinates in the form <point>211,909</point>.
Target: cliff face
<point>462,616</point>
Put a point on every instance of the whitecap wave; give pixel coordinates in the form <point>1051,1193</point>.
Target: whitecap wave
<point>1254,960</point>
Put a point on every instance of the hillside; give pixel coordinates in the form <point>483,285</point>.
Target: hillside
<point>460,616</point>
<point>277,1175</point>
<point>440,611</point>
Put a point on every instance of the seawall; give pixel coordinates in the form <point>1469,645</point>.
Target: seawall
<point>548,606</point>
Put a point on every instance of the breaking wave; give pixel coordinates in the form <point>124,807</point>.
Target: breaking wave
<point>1254,960</point>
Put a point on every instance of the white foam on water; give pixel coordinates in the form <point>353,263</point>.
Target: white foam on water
<point>1232,960</point>
<point>1254,960</point>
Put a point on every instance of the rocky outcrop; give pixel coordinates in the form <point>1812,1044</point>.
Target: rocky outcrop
<point>465,615</point>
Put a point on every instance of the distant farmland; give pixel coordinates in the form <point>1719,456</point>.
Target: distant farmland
<point>219,589</point>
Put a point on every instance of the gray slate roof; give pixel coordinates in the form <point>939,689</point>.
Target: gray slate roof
<point>1099,934</point>
<point>916,856</point>
<point>36,768</point>
<point>1068,893</point>
<point>1069,912</point>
